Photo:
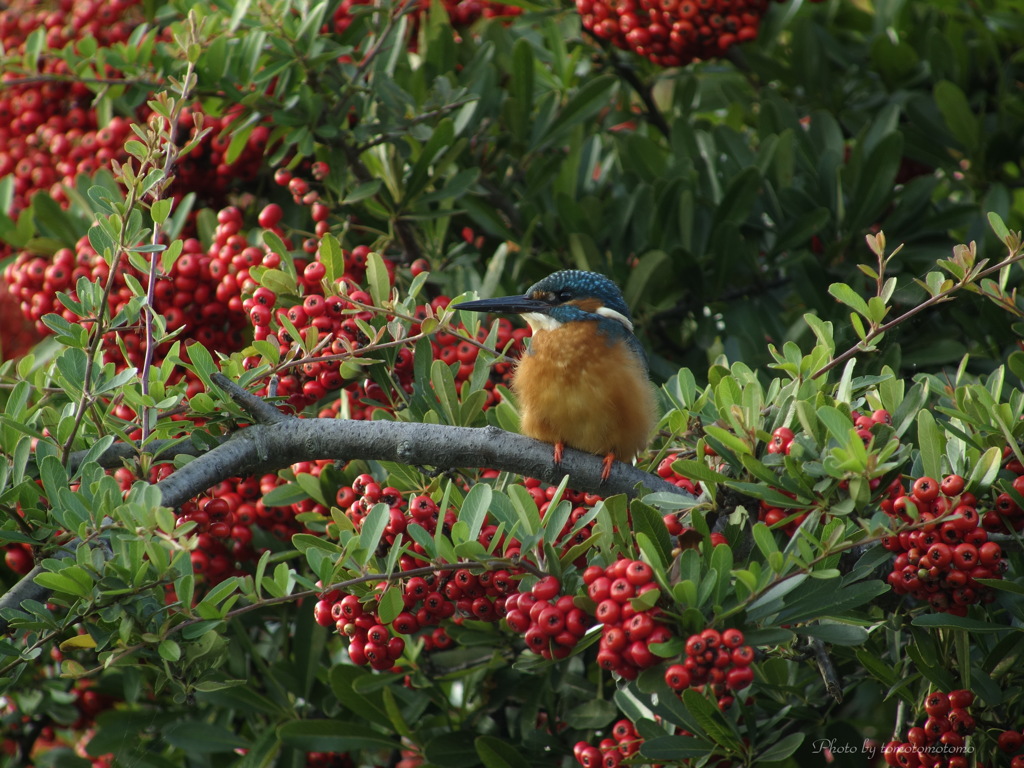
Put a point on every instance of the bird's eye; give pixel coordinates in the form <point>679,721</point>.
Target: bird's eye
<point>564,295</point>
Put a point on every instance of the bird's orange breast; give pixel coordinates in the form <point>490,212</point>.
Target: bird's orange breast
<point>576,388</point>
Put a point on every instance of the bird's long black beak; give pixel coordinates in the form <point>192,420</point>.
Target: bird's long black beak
<point>517,305</point>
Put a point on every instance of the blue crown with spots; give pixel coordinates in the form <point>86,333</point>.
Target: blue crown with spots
<point>570,284</point>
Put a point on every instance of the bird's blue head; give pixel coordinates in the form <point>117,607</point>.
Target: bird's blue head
<point>564,297</point>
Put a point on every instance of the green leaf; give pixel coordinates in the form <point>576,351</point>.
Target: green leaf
<point>160,210</point>
<point>836,634</point>
<point>710,719</point>
<point>454,749</point>
<point>197,736</point>
<point>837,423</point>
<point>771,601</point>
<point>53,475</point>
<point>782,749</point>
<point>649,521</point>
<point>675,748</point>
<point>331,736</point>
<point>948,621</point>
<point>331,257</point>
<point>698,471</point>
<point>845,294</point>
<point>169,650</point>
<point>377,279</point>
<point>587,102</point>
<point>985,470</point>
<point>932,443</point>
<point>58,582</point>
<point>996,222</point>
<point>590,715</point>
<point>373,528</point>
<point>474,509</point>
<point>496,753</point>
<point>957,112</point>
<point>391,604</point>
<point>765,539</point>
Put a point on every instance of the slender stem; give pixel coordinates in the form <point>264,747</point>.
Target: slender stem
<point>877,330</point>
<point>170,158</point>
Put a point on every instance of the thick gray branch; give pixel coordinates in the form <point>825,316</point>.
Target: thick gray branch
<point>268,447</point>
<point>265,448</point>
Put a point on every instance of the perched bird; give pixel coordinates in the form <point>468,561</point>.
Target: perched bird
<point>583,382</point>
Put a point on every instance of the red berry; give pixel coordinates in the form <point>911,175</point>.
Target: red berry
<point>990,553</point>
<point>738,678</point>
<point>732,638</point>
<point>926,489</point>
<point>952,485</point>
<point>939,556</point>
<point>936,704</point>
<point>1010,741</point>
<point>546,588</point>
<point>965,556</point>
<point>695,646</point>
<point>639,573</point>
<point>677,677</point>
<point>270,216</point>
<point>961,699</point>
<point>743,656</point>
<point>608,611</point>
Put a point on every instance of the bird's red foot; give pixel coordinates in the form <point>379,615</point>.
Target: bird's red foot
<point>606,466</point>
<point>559,450</point>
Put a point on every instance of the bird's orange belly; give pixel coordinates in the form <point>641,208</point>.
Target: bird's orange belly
<point>576,389</point>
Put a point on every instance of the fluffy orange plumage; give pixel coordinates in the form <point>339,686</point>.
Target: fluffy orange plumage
<point>576,388</point>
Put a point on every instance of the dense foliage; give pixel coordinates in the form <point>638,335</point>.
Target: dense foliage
<point>811,209</point>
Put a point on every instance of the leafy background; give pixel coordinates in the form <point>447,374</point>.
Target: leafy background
<point>728,198</point>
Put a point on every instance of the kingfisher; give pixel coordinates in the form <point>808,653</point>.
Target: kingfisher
<point>583,383</point>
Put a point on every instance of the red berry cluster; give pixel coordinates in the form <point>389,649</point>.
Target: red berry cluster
<point>672,33</point>
<point>624,742</point>
<point>942,559</point>
<point>628,632</point>
<point>462,13</point>
<point>1010,742</point>
<point>782,440</point>
<point>225,518</point>
<point>457,593</point>
<point>939,741</point>
<point>18,336</point>
<point>48,129</point>
<point>665,472</point>
<point>188,298</point>
<point>205,170</point>
<point>719,661</point>
<point>445,594</point>
<point>552,625</point>
<point>452,349</point>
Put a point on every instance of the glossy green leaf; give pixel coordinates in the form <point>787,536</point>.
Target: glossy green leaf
<point>196,736</point>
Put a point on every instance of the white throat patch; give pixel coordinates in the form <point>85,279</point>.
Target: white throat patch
<point>606,312</point>
<point>541,322</point>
